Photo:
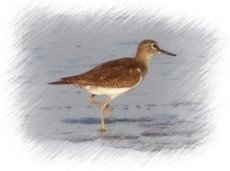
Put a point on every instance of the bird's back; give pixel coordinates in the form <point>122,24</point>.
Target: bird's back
<point>124,72</point>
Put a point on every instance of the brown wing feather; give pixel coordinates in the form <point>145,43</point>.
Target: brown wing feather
<point>117,73</point>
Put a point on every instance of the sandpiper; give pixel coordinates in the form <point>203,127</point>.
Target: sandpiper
<point>116,77</point>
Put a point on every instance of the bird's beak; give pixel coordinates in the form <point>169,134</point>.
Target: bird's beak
<point>166,52</point>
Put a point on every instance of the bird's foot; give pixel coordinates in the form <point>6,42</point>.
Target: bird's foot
<point>102,128</point>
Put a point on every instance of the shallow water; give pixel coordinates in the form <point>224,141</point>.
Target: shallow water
<point>166,112</point>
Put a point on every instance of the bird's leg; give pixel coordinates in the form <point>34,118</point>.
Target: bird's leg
<point>92,101</point>
<point>108,108</point>
<point>103,108</point>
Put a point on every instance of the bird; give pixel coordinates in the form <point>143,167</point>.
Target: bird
<point>116,77</point>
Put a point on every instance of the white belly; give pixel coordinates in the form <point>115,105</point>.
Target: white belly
<point>110,92</point>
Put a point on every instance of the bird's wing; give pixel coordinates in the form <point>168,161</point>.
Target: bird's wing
<point>118,73</point>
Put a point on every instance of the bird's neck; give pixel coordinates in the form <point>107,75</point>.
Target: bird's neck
<point>144,58</point>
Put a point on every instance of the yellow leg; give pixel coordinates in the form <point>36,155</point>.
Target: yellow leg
<point>107,108</point>
<point>103,107</point>
<point>92,101</point>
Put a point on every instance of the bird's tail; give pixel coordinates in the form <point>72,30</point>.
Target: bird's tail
<point>61,82</point>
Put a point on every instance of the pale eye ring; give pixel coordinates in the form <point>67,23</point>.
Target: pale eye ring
<point>153,45</point>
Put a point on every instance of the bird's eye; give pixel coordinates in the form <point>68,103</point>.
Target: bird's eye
<point>154,45</point>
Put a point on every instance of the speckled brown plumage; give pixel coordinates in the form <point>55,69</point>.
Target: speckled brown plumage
<point>124,72</point>
<point>119,73</point>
